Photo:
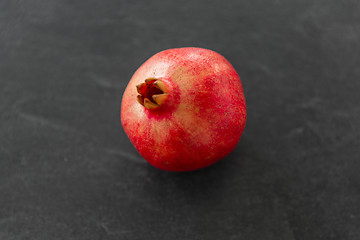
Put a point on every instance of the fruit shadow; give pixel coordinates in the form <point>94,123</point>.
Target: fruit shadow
<point>207,184</point>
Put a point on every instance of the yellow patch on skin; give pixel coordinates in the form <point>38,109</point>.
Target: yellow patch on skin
<point>193,125</point>
<point>196,110</point>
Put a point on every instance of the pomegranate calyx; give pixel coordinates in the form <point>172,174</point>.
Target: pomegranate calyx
<point>150,105</point>
<point>150,79</point>
<point>160,98</point>
<point>152,93</point>
<point>140,99</point>
<point>159,85</point>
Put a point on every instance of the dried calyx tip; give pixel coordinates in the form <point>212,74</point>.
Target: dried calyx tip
<point>152,93</point>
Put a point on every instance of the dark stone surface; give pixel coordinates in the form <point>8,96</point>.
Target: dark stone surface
<point>68,171</point>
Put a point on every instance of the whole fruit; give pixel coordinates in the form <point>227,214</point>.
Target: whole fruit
<point>184,109</point>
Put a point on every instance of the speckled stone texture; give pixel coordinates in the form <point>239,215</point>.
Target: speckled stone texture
<point>68,171</point>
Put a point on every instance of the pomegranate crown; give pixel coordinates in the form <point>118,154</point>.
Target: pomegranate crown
<point>152,93</point>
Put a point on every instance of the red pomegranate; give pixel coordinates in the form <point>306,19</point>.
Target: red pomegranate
<point>184,109</point>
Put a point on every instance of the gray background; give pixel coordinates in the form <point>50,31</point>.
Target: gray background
<point>68,171</point>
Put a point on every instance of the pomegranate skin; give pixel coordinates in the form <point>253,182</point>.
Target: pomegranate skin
<point>202,117</point>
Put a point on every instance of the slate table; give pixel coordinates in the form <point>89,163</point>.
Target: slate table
<point>68,171</point>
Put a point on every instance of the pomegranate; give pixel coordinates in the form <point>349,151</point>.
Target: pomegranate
<point>184,109</point>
